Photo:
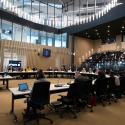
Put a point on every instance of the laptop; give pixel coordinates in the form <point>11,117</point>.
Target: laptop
<point>23,86</point>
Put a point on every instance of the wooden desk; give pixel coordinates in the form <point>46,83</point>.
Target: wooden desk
<point>6,79</point>
<point>16,94</point>
<point>49,73</point>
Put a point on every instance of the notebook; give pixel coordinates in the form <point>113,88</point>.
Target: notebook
<point>23,86</point>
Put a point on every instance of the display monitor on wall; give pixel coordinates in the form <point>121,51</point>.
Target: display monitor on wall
<point>46,52</point>
<point>15,63</point>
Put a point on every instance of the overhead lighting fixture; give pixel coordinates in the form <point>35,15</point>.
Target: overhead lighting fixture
<point>108,31</point>
<point>97,34</point>
<point>108,26</point>
<point>96,30</point>
<point>123,27</point>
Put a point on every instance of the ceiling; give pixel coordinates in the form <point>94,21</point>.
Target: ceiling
<point>105,31</point>
<point>71,1</point>
<point>108,29</point>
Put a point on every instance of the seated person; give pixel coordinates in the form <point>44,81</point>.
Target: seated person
<point>40,77</point>
<point>28,68</point>
<point>34,69</point>
<point>80,78</point>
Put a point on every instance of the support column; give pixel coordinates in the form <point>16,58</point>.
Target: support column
<point>72,50</point>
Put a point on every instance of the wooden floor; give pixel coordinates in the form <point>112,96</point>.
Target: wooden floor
<point>113,114</point>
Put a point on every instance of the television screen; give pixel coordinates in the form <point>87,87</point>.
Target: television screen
<point>46,52</point>
<point>15,63</point>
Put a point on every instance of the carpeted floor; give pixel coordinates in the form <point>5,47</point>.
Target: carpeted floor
<point>113,114</point>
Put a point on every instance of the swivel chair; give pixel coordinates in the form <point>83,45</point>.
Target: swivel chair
<point>40,96</point>
<point>101,86</point>
<point>86,94</point>
<point>69,102</point>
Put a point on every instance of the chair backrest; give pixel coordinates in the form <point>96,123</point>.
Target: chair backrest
<point>74,91</point>
<point>86,87</point>
<point>112,83</point>
<point>101,85</point>
<point>40,94</point>
<point>122,83</point>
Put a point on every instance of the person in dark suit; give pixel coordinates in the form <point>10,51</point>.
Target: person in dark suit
<point>80,78</point>
<point>40,77</point>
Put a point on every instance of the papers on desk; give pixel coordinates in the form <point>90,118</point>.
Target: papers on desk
<point>7,76</point>
<point>61,85</point>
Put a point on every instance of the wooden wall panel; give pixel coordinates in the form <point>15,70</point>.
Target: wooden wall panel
<point>85,47</point>
<point>31,52</point>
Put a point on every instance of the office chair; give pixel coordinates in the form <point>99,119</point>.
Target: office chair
<point>69,102</point>
<point>87,97</point>
<point>40,96</point>
<point>122,84</point>
<point>102,90</point>
<point>112,89</point>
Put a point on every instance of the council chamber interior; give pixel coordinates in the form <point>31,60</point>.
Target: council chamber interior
<point>63,38</point>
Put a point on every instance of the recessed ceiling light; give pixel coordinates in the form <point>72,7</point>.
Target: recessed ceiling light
<point>121,31</point>
<point>108,31</point>
<point>96,30</point>
<point>123,27</point>
<point>108,26</point>
<point>86,33</point>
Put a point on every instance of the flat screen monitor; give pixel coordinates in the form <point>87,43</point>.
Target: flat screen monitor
<point>15,63</point>
<point>46,52</point>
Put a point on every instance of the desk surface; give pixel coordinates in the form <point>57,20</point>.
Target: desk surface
<point>15,91</point>
<point>6,77</point>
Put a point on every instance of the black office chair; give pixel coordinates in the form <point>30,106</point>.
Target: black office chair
<point>113,90</point>
<point>101,85</point>
<point>40,96</point>
<point>86,94</point>
<point>69,102</point>
<point>122,84</point>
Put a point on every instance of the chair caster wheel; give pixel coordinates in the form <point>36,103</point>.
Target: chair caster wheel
<point>51,122</point>
<point>91,110</point>
<point>15,120</point>
<point>75,117</point>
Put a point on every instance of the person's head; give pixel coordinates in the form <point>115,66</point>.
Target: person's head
<point>40,74</point>
<point>101,73</point>
<point>77,74</point>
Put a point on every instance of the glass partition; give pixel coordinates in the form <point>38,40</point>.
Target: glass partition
<point>12,31</point>
<point>59,14</point>
<point>17,32</point>
<point>34,36</point>
<point>7,31</point>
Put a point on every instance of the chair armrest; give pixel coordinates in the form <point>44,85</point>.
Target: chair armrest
<point>62,96</point>
<point>27,96</point>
